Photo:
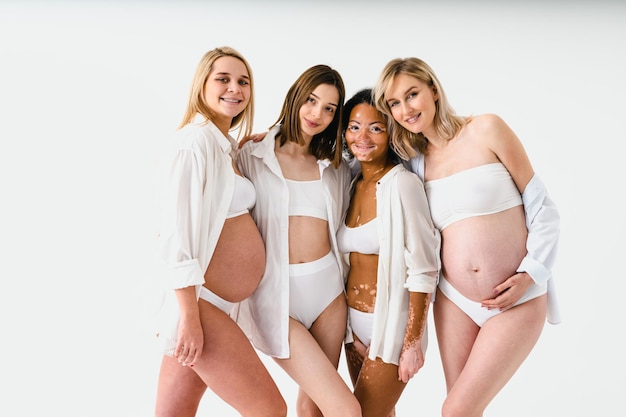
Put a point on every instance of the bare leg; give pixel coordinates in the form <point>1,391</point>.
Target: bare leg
<point>310,367</point>
<point>328,330</point>
<point>355,358</point>
<point>179,390</point>
<point>378,388</point>
<point>229,366</point>
<point>478,362</point>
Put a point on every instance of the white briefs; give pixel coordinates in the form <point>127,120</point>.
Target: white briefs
<point>216,300</point>
<point>362,324</point>
<point>312,287</point>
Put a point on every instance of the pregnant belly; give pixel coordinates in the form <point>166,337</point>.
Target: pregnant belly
<point>238,262</point>
<point>479,253</point>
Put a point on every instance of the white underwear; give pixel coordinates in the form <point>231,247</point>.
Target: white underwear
<point>362,324</point>
<point>474,309</point>
<point>216,300</point>
<point>312,287</point>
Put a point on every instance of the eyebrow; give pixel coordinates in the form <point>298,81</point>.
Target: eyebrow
<point>228,73</point>
<point>405,92</point>
<point>375,122</point>
<point>317,97</point>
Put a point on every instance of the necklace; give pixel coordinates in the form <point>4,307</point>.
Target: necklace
<point>373,178</point>
<point>364,199</point>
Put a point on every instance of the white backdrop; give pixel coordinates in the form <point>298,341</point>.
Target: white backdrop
<point>91,91</point>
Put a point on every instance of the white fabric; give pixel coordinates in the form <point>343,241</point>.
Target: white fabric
<point>403,222</point>
<point>362,239</point>
<point>209,296</point>
<point>306,198</point>
<point>244,197</point>
<point>542,222</point>
<point>264,316</point>
<point>362,324</point>
<point>196,195</point>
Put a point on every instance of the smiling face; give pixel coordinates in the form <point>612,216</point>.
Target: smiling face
<point>366,134</point>
<point>412,103</point>
<point>227,89</point>
<point>319,110</point>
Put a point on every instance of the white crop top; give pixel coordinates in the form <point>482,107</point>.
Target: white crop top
<point>244,197</point>
<point>482,190</point>
<point>362,239</point>
<point>306,198</point>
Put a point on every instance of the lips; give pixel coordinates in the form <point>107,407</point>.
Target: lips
<point>311,124</point>
<point>362,147</point>
<point>231,100</point>
<point>413,119</point>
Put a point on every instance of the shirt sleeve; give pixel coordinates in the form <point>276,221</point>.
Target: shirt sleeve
<point>182,209</point>
<point>542,222</point>
<point>422,241</point>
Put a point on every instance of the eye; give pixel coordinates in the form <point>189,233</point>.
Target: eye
<point>310,100</point>
<point>375,129</point>
<point>393,103</point>
<point>244,82</point>
<point>222,80</point>
<point>411,95</point>
<point>354,128</point>
<point>330,109</point>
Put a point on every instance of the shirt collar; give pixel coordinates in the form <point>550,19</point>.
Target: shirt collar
<point>227,143</point>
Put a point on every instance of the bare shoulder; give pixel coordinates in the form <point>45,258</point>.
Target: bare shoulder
<point>492,129</point>
<point>488,122</point>
<point>507,147</point>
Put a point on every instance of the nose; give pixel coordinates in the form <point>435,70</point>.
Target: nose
<point>234,86</point>
<point>362,133</point>
<point>316,111</point>
<point>406,108</point>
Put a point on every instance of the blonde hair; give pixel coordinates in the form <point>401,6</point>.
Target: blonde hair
<point>446,121</point>
<point>197,104</point>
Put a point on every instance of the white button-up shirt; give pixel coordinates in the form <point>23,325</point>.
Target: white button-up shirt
<point>408,259</point>
<point>197,192</point>
<point>264,316</point>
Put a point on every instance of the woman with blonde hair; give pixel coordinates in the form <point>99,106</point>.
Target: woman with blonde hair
<point>206,230</point>
<point>499,231</point>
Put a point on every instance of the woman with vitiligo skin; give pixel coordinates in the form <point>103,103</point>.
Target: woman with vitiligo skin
<point>393,249</point>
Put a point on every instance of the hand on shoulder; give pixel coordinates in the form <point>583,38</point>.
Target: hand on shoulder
<point>255,137</point>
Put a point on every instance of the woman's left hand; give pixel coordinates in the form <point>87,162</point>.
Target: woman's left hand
<point>411,361</point>
<point>509,292</point>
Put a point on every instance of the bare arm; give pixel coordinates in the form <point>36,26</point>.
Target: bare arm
<point>412,356</point>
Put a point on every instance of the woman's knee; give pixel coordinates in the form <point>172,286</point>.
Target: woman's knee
<point>453,408</point>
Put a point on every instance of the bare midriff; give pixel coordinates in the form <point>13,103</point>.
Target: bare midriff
<point>362,279</point>
<point>308,239</point>
<point>481,252</point>
<point>238,262</point>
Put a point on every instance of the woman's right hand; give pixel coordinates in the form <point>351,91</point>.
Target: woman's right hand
<point>190,341</point>
<point>255,137</point>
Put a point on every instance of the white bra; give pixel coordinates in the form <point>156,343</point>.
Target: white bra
<point>244,197</point>
<point>306,198</point>
<point>362,239</point>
